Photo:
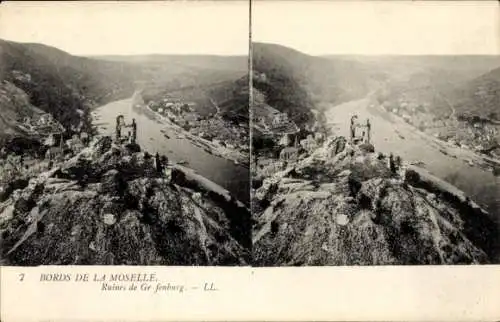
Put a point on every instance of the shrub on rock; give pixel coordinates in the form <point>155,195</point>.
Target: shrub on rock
<point>367,148</point>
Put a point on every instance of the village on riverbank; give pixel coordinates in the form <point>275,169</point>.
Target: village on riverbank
<point>209,131</point>
<point>479,134</point>
<point>470,139</point>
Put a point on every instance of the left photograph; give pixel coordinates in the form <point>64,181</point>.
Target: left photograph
<point>124,133</point>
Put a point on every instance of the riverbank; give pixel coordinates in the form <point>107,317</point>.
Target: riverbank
<point>468,156</point>
<point>154,135</point>
<point>449,163</point>
<point>214,148</point>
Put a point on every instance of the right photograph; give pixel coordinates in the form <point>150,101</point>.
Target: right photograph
<point>375,135</point>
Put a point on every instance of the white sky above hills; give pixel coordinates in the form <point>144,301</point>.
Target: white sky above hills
<point>209,27</point>
<point>380,27</point>
<point>114,28</point>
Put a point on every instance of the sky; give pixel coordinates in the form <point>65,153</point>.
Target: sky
<point>380,27</point>
<point>222,27</point>
<point>114,28</point>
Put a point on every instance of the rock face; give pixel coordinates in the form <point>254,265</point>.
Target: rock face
<point>108,205</point>
<point>347,208</point>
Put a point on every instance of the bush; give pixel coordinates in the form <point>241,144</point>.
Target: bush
<point>412,177</point>
<point>257,183</point>
<point>262,143</point>
<point>367,148</point>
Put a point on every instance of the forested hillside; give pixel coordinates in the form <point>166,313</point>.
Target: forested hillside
<point>61,84</point>
<point>294,82</point>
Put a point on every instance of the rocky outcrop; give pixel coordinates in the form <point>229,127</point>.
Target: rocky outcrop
<point>109,205</point>
<point>347,208</point>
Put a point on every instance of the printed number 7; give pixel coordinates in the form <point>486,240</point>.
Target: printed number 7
<point>21,277</point>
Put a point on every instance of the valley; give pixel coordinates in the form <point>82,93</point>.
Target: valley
<point>305,170</point>
<point>159,195</point>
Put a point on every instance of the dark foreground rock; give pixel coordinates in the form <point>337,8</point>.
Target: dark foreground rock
<point>347,208</point>
<point>108,205</point>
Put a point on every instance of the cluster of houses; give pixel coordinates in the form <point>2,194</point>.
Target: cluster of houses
<point>292,146</point>
<point>478,136</point>
<point>58,147</point>
<point>20,76</point>
<point>176,110</point>
<point>208,127</point>
<point>273,123</point>
<point>291,149</point>
<point>269,120</point>
<point>415,113</point>
<point>43,124</point>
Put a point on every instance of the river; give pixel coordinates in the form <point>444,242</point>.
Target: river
<point>390,134</point>
<point>151,137</point>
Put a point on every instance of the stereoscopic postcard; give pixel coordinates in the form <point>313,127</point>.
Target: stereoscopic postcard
<point>250,160</point>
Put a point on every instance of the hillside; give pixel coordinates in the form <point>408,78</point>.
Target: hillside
<point>63,85</point>
<point>108,205</point>
<point>228,97</point>
<point>342,205</point>
<point>49,80</point>
<point>479,96</point>
<point>161,72</point>
<point>455,98</point>
<point>294,82</point>
<point>422,69</point>
<point>232,99</point>
<point>15,106</point>
<point>467,83</point>
<point>282,82</point>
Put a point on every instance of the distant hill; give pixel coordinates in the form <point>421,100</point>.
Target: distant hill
<point>445,68</point>
<point>480,96</point>
<point>232,99</point>
<point>468,84</point>
<point>179,72</point>
<point>235,63</point>
<point>228,91</point>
